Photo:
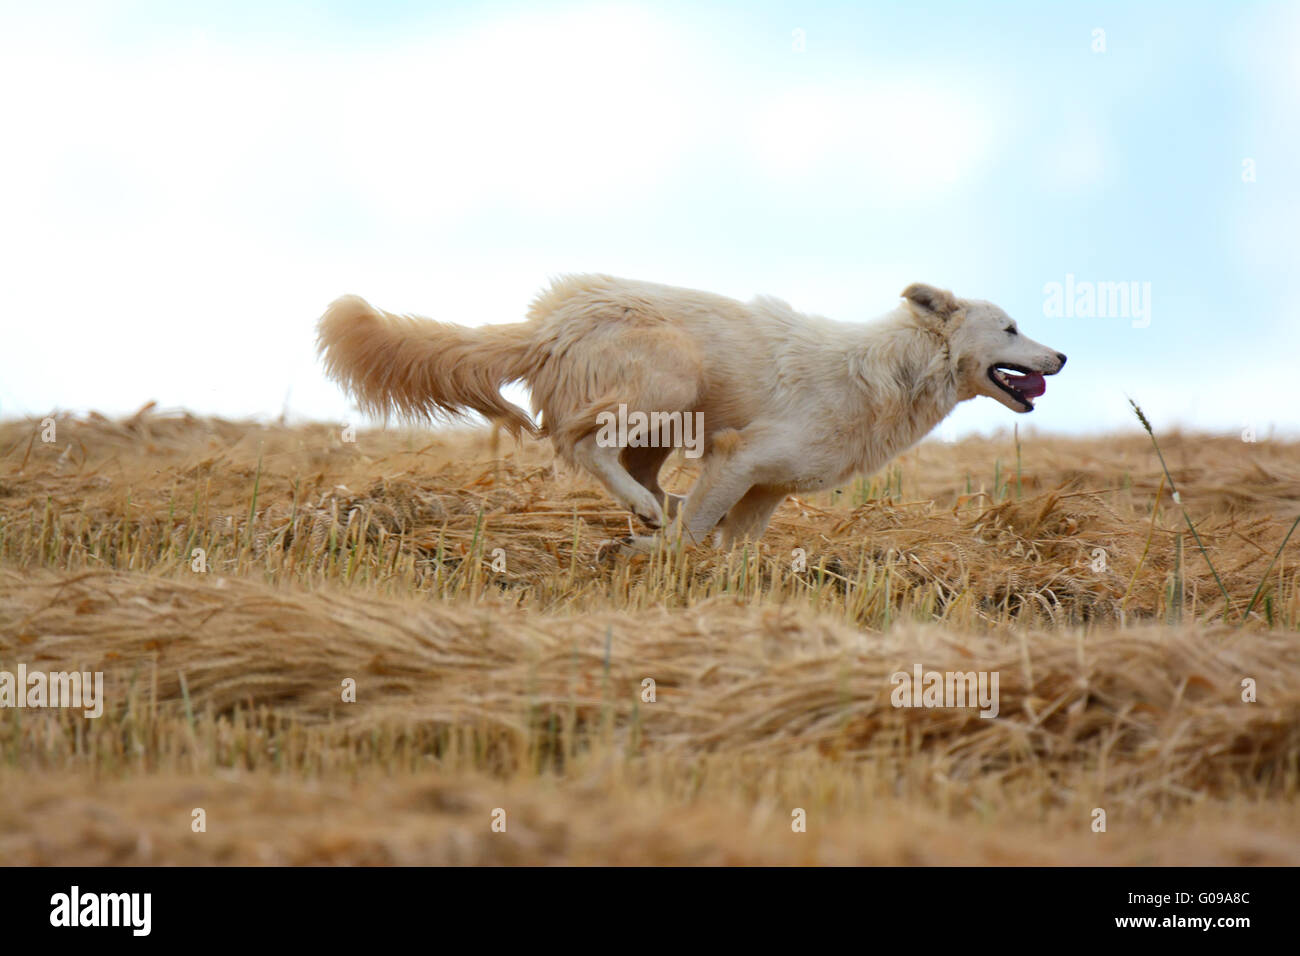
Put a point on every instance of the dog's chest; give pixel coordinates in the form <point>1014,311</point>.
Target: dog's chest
<point>814,463</point>
<point>833,471</point>
<point>819,477</point>
<point>816,482</point>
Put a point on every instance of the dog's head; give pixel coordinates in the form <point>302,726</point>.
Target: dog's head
<point>993,358</point>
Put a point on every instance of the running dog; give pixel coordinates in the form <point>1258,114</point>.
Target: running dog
<point>788,402</point>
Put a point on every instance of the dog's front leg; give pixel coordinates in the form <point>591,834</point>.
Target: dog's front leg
<point>751,515</point>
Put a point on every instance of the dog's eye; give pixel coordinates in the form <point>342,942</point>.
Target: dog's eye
<point>1010,330</point>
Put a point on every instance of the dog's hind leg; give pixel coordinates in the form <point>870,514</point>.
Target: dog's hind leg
<point>652,371</point>
<point>643,464</point>
<point>704,507</point>
<point>725,479</point>
<point>603,462</point>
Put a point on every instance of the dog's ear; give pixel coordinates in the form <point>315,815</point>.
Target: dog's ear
<point>938,306</point>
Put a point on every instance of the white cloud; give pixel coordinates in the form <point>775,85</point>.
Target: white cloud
<point>537,111</point>
<point>159,202</point>
<point>908,135</point>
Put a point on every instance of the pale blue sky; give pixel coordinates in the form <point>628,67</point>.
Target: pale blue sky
<point>185,186</point>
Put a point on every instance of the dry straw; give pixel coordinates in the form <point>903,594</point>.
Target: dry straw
<point>228,577</point>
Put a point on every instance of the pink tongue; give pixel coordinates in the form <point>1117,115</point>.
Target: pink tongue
<point>1032,384</point>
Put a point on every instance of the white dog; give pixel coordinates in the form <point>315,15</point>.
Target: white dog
<point>788,402</point>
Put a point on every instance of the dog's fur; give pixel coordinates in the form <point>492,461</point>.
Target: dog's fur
<point>790,402</point>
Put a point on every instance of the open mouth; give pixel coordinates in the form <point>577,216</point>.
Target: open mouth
<point>1019,382</point>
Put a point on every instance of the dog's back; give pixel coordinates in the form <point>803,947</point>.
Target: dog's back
<point>589,344</point>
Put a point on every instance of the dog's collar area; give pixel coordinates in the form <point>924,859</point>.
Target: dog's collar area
<point>946,348</point>
<point>949,362</point>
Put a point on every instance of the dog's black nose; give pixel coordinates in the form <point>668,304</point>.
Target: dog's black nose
<point>1061,356</point>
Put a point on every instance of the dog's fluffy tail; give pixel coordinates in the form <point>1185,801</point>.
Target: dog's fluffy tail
<point>423,369</point>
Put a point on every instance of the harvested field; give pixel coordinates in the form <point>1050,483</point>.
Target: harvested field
<point>228,578</point>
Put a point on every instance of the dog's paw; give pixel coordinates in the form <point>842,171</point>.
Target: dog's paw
<point>648,511</point>
<point>629,546</point>
<point>607,551</point>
